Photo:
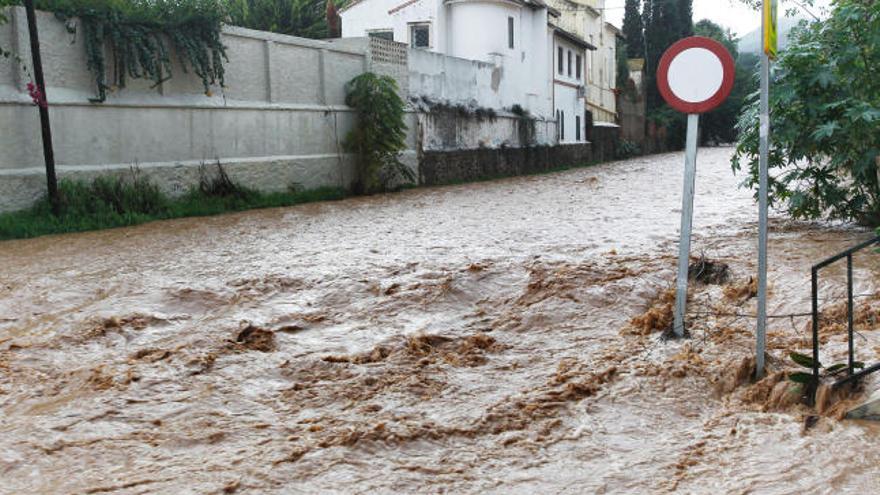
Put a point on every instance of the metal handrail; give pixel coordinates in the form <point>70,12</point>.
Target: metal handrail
<point>851,374</point>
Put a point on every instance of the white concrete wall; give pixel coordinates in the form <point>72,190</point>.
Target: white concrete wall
<point>458,81</point>
<point>478,30</point>
<point>279,121</point>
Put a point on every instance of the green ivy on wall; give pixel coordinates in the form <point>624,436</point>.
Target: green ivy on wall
<point>135,38</point>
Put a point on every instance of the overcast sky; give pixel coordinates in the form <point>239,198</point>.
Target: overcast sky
<point>730,13</point>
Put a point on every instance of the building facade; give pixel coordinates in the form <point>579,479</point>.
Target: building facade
<point>569,90</point>
<point>586,19</point>
<point>518,38</point>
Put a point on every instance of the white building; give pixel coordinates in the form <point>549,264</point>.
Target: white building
<point>517,37</point>
<point>570,57</point>
<point>586,19</point>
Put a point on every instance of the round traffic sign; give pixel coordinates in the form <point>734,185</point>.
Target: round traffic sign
<point>695,75</point>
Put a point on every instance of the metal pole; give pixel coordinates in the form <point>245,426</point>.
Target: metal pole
<point>48,153</point>
<point>687,217</point>
<point>849,313</point>
<point>814,279</point>
<point>763,173</point>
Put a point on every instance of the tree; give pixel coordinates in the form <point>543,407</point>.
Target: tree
<point>665,23</point>
<point>622,65</point>
<point>663,27</point>
<point>825,117</point>
<point>685,18</point>
<point>306,18</point>
<point>719,125</point>
<point>633,30</point>
<point>709,29</point>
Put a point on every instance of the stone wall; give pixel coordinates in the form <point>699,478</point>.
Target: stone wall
<point>447,167</point>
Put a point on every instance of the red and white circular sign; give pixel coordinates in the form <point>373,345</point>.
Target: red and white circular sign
<point>695,75</point>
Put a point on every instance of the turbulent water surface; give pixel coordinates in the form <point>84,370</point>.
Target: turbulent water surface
<point>497,337</point>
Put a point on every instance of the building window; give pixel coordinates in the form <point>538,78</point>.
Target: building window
<point>577,128</point>
<point>588,124</point>
<point>420,36</point>
<point>510,32</point>
<point>559,60</point>
<point>569,63</point>
<point>577,67</point>
<point>385,34</point>
<point>557,126</point>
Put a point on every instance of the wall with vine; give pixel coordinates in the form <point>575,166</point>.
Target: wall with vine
<point>135,39</point>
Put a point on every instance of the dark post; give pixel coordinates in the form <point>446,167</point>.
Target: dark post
<point>849,310</point>
<point>815,293</point>
<point>48,153</point>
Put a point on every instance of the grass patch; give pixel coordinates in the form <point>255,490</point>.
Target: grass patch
<point>120,201</point>
<point>109,202</point>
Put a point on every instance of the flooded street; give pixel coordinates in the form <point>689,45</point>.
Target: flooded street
<point>498,337</point>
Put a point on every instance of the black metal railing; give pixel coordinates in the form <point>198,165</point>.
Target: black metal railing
<point>852,375</point>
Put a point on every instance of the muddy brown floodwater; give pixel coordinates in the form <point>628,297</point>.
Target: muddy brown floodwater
<point>497,337</point>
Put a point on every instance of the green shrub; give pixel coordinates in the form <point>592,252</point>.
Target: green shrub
<point>220,184</point>
<point>627,149</point>
<point>379,133</point>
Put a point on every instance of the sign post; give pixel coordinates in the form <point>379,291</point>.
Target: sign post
<point>769,36</point>
<point>695,75</point>
<point>48,152</point>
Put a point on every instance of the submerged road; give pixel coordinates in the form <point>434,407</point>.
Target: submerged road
<point>467,339</point>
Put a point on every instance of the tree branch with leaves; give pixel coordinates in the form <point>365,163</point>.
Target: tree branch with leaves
<point>825,119</point>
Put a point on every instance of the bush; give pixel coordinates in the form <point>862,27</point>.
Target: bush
<point>379,133</point>
<point>220,184</point>
<point>825,124</point>
<point>627,149</point>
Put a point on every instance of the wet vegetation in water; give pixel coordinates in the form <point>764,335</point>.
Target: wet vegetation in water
<point>132,199</point>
